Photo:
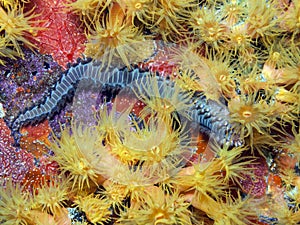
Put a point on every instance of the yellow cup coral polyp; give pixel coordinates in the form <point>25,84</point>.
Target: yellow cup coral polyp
<point>17,27</point>
<point>157,208</point>
<point>88,10</point>
<point>249,115</point>
<point>96,209</point>
<point>138,9</point>
<point>76,153</point>
<point>113,39</point>
<point>15,206</point>
<point>52,197</point>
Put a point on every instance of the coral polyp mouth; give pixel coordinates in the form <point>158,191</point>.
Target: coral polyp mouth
<point>247,114</point>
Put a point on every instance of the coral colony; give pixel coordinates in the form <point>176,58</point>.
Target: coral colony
<point>149,112</point>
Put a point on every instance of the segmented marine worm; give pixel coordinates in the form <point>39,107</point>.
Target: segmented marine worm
<point>206,113</point>
<point>82,70</point>
<point>213,118</point>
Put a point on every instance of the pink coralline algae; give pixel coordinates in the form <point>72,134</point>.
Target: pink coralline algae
<point>256,184</point>
<point>15,163</point>
<point>62,36</point>
<point>24,165</point>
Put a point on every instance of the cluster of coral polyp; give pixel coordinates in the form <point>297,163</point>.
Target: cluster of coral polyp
<point>111,156</point>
